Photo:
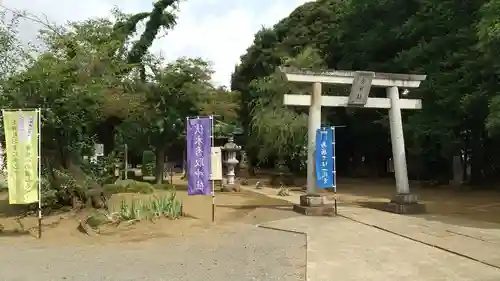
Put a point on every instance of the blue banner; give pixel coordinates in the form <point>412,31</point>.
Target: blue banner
<point>325,161</point>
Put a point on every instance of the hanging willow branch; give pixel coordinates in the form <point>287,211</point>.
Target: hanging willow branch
<point>277,128</point>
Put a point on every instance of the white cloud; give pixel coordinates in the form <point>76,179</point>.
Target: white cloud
<point>217,30</point>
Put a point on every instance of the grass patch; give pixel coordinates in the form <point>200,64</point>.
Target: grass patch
<point>137,209</point>
<point>156,207</point>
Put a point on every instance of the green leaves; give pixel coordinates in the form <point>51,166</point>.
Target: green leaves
<point>278,130</point>
<point>454,42</point>
<point>159,18</point>
<point>173,95</point>
<point>488,28</point>
<point>12,56</point>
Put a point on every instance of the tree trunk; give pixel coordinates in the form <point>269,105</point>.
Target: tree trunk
<point>252,162</point>
<point>64,154</point>
<point>465,165</point>
<point>160,162</point>
<point>477,159</point>
<point>184,164</point>
<point>457,170</point>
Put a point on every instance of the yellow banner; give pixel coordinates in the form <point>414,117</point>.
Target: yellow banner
<point>21,146</point>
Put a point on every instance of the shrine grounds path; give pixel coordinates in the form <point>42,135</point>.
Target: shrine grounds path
<point>372,245</point>
<point>359,244</point>
<point>240,252</point>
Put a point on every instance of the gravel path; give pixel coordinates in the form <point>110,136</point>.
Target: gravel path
<point>239,252</point>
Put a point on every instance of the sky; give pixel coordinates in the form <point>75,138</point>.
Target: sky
<point>219,31</point>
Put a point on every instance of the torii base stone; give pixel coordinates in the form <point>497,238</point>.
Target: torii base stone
<point>405,204</point>
<point>314,205</point>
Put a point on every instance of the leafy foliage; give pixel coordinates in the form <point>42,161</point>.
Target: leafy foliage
<point>12,55</point>
<point>84,74</point>
<point>453,42</point>
<point>148,163</point>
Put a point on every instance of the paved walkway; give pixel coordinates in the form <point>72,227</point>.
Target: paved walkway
<point>366,244</point>
<point>476,240</point>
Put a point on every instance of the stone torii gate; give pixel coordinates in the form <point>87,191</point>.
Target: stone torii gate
<point>362,81</point>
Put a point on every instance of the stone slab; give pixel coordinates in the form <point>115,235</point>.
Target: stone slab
<point>405,198</point>
<point>342,249</point>
<point>312,200</point>
<point>480,241</point>
<point>406,261</point>
<point>405,209</point>
<point>323,210</point>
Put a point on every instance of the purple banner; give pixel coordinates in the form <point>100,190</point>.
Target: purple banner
<point>199,144</point>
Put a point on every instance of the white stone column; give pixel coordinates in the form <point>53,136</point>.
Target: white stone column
<point>314,123</point>
<point>397,142</point>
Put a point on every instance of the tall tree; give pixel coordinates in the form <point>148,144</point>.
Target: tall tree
<point>162,17</point>
<point>12,55</point>
<point>439,38</point>
<point>174,94</point>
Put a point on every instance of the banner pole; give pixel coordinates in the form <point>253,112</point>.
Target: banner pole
<point>211,175</point>
<point>334,171</point>
<point>125,155</point>
<point>184,160</point>
<point>39,111</point>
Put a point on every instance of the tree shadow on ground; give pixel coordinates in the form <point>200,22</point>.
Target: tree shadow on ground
<point>14,233</point>
<point>455,219</point>
<point>286,207</point>
<point>18,220</point>
<point>21,230</point>
<point>12,210</point>
<point>445,204</point>
<point>460,220</point>
<point>15,210</point>
<point>258,201</point>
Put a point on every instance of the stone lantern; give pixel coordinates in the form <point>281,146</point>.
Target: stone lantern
<point>229,151</point>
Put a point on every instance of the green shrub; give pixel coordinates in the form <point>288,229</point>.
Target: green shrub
<point>124,183</point>
<point>102,171</point>
<point>140,187</point>
<point>163,186</point>
<point>148,163</point>
<point>169,186</point>
<point>97,219</point>
<point>127,186</point>
<point>49,195</point>
<point>68,187</point>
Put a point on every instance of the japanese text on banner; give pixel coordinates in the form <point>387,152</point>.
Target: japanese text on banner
<point>21,135</point>
<point>324,158</point>
<point>198,156</point>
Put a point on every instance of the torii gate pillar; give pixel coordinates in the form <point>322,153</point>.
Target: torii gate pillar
<point>362,81</point>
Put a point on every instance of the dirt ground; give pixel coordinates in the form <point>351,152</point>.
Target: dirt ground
<point>245,207</point>
<point>230,207</point>
<point>479,205</point>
